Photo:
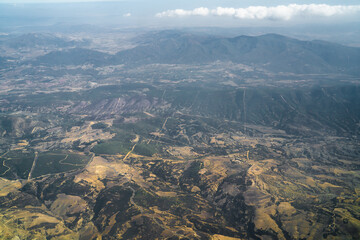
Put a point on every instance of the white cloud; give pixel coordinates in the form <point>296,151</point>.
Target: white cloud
<point>281,12</point>
<point>202,11</point>
<point>127,15</point>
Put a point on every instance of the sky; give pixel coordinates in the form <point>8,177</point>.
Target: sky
<point>186,13</point>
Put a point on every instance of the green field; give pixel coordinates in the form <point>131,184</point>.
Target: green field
<point>145,149</point>
<point>56,162</point>
<point>16,164</point>
<point>111,147</point>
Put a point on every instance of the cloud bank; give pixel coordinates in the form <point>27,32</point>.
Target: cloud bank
<point>281,12</point>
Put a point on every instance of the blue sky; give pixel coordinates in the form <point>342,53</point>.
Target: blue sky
<point>192,3</point>
<point>138,13</point>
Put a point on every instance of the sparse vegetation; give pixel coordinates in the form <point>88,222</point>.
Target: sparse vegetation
<point>99,125</point>
<point>200,138</point>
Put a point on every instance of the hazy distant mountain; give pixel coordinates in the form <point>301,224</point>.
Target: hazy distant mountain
<point>31,40</point>
<point>272,52</point>
<point>73,56</point>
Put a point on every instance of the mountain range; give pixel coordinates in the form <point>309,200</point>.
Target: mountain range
<point>271,52</point>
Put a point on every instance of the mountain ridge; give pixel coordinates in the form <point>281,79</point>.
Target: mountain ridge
<point>272,52</point>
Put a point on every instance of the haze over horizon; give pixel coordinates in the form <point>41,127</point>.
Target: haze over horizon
<point>162,13</point>
<point>209,120</point>
<point>334,21</point>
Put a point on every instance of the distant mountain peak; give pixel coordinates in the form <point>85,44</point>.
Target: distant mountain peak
<point>273,52</point>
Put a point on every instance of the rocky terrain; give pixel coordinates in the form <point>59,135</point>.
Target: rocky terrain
<point>99,145</point>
